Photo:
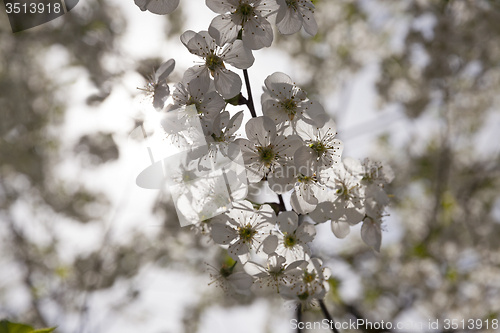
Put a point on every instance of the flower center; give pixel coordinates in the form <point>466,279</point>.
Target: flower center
<point>304,179</point>
<point>225,271</point>
<point>246,11</point>
<point>246,233</point>
<point>309,277</point>
<point>290,241</point>
<point>303,296</point>
<point>213,62</point>
<point>290,107</point>
<point>318,147</point>
<point>194,102</point>
<point>292,4</point>
<point>218,138</point>
<point>267,155</point>
<point>343,191</point>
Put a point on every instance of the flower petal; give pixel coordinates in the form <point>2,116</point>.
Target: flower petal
<point>288,20</point>
<point>222,7</point>
<point>227,83</point>
<point>308,20</point>
<point>224,29</point>
<point>288,222</point>
<point>239,56</point>
<point>371,234</point>
<point>261,131</point>
<point>340,229</point>
<point>257,33</point>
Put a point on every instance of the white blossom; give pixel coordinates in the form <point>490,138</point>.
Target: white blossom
<point>285,103</point>
<point>276,273</point>
<point>322,151</point>
<point>160,7</point>
<point>245,229</point>
<point>292,238</point>
<point>227,83</point>
<point>249,16</point>
<point>265,150</point>
<point>295,14</point>
<point>203,96</point>
<point>157,86</point>
<point>311,284</point>
<point>229,281</point>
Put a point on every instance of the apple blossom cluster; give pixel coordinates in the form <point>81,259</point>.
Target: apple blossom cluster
<point>292,148</point>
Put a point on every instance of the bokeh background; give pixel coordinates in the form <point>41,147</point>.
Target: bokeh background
<point>415,83</point>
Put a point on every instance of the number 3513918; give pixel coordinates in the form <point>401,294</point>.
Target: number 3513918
<point>470,324</point>
<point>32,8</point>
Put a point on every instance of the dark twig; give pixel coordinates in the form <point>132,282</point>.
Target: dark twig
<point>327,315</point>
<point>250,105</point>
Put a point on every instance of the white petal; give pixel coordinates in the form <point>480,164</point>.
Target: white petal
<point>186,37</point>
<point>257,33</point>
<point>288,21</point>
<point>235,123</point>
<point>240,280</point>
<point>160,96</point>
<point>261,131</point>
<point>165,69</point>
<point>269,244</point>
<point>300,205</point>
<point>288,222</point>
<point>371,234</point>
<point>221,7</point>
<point>222,233</point>
<point>162,7</point>
<point>306,232</point>
<point>286,146</point>
<point>308,21</point>
<point>212,104</point>
<point>305,158</point>
<point>198,45</point>
<point>282,179</point>
<point>227,83</point>
<point>340,229</point>
<point>223,29</point>
<point>197,72</point>
<point>239,56</point>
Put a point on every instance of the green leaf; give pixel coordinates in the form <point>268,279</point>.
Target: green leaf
<point>45,330</point>
<point>8,327</point>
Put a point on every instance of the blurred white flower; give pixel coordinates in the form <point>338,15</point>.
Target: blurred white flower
<point>227,83</point>
<point>157,86</point>
<point>229,281</point>
<point>249,16</point>
<point>295,14</point>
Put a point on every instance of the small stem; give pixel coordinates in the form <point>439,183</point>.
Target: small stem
<point>281,204</point>
<point>299,318</point>
<point>250,105</point>
<point>327,315</point>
